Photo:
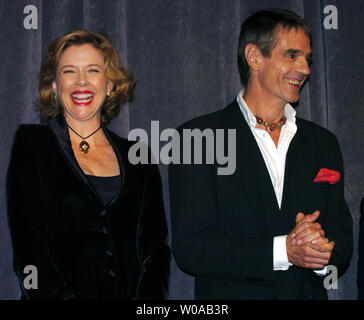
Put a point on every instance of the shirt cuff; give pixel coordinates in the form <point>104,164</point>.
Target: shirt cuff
<point>322,271</point>
<point>280,259</point>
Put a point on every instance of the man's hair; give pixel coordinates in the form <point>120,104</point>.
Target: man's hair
<point>123,81</point>
<point>260,29</point>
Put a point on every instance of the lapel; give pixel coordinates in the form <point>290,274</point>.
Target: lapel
<point>299,171</point>
<point>250,165</point>
<point>291,179</point>
<point>60,130</point>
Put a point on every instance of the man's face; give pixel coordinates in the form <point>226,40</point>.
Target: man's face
<point>282,74</point>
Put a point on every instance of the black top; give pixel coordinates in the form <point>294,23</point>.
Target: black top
<point>106,187</point>
<point>97,281</point>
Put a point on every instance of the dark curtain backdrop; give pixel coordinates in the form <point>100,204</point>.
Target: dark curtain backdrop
<point>183,53</point>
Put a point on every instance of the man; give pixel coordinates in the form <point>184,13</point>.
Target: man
<point>360,272</point>
<point>269,230</point>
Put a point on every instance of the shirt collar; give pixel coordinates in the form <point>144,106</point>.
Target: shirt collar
<point>289,112</point>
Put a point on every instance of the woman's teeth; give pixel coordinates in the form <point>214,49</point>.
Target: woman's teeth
<point>82,97</point>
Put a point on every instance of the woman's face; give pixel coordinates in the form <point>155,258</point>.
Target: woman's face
<point>81,84</point>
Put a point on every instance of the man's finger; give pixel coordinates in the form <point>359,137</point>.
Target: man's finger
<point>304,221</point>
<point>308,237</point>
<point>323,247</point>
<point>309,217</point>
<point>303,229</point>
<point>315,266</point>
<point>320,240</point>
<point>309,252</point>
<point>299,217</point>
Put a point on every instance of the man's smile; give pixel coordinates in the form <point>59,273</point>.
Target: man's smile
<point>294,82</point>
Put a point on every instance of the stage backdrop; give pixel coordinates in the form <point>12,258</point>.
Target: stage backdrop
<point>183,53</point>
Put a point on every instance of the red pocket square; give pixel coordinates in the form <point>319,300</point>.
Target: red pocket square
<point>327,175</point>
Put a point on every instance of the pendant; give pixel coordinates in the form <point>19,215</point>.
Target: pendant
<point>84,147</point>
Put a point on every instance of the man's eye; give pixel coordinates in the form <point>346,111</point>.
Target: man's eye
<point>292,56</point>
<point>94,70</point>
<point>68,71</point>
<point>309,61</point>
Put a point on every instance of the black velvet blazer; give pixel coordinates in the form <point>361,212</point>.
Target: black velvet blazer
<point>59,224</point>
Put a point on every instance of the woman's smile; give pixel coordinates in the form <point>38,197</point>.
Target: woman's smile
<point>82,98</point>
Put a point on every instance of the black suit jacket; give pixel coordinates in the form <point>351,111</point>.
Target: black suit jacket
<point>223,226</point>
<point>360,278</point>
<point>49,198</point>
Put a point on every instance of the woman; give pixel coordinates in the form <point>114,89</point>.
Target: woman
<point>90,222</point>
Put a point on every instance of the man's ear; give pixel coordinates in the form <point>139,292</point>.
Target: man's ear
<point>253,56</point>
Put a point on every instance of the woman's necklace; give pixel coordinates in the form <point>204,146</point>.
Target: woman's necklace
<point>84,146</point>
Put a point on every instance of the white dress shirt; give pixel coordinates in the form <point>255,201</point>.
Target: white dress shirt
<point>275,161</point>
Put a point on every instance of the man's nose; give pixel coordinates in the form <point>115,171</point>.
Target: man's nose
<point>304,67</point>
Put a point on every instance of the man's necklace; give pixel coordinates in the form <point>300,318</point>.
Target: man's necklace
<point>84,146</point>
<point>272,126</point>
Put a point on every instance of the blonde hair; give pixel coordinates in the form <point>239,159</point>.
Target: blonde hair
<point>123,81</point>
